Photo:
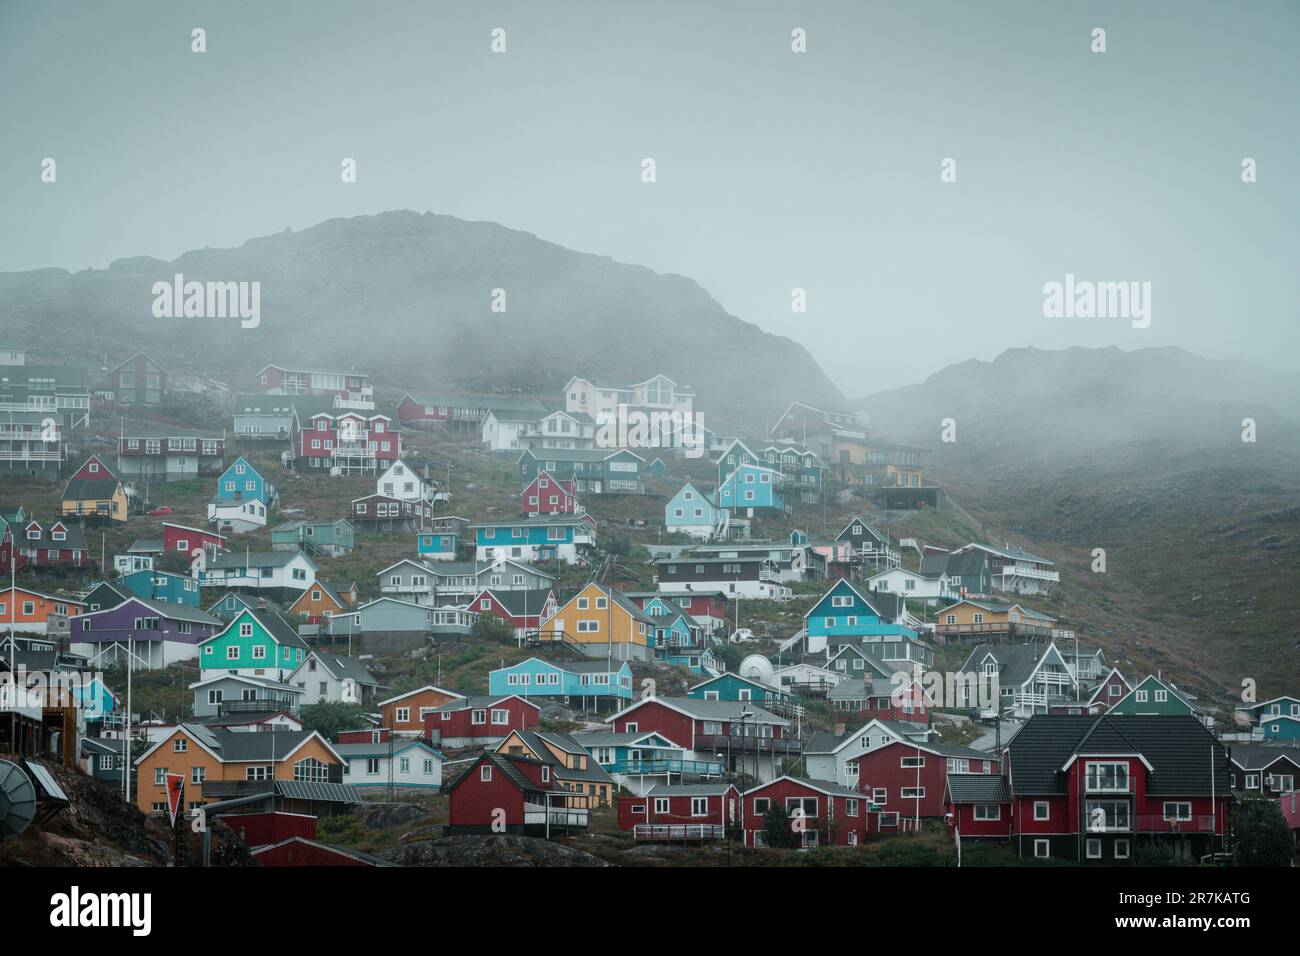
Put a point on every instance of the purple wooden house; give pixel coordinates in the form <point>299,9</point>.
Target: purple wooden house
<point>158,633</point>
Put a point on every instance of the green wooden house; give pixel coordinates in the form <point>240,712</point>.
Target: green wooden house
<point>256,643</point>
<point>1154,697</point>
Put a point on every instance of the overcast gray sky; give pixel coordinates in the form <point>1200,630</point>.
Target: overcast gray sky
<point>775,170</point>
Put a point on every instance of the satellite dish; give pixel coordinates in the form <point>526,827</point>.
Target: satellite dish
<point>17,800</point>
<point>759,668</point>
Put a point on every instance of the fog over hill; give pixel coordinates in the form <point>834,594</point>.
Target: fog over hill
<point>1139,454</point>
<point>408,297</point>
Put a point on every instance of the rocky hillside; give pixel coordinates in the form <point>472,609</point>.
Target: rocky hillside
<point>1139,453</point>
<point>408,298</point>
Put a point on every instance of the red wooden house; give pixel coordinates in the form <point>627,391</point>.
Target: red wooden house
<point>906,780</point>
<point>355,442</point>
<point>977,805</point>
<point>693,811</point>
<point>53,545</point>
<point>479,721</point>
<point>524,610</point>
<point>369,735</point>
<point>138,381</point>
<point>301,851</point>
<point>1094,789</point>
<point>821,813</point>
<point>548,495</point>
<point>511,793</point>
<point>94,468</point>
<point>182,539</point>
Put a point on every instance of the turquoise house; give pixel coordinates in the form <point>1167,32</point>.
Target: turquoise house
<point>438,547</point>
<point>736,687</point>
<point>643,753</point>
<point>571,679</point>
<point>677,638</point>
<point>537,538</point>
<point>751,486</point>
<point>94,699</point>
<point>163,586</point>
<point>846,611</point>
<point>1279,718</point>
<point>331,538</point>
<point>242,481</point>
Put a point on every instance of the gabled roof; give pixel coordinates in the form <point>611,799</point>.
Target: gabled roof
<point>520,602</point>
<point>841,583</point>
<point>1105,682</point>
<point>766,688</point>
<point>171,610</point>
<point>280,630</point>
<point>90,489</point>
<point>825,742</point>
<point>707,709</point>
<point>821,786</point>
<point>1161,684</point>
<point>1177,749</point>
<point>509,765</point>
<point>342,667</point>
<point>1016,662</point>
<point>420,690</point>
<point>1009,552</point>
<point>1257,757</point>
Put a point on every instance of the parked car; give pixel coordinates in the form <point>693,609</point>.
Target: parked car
<point>159,511</point>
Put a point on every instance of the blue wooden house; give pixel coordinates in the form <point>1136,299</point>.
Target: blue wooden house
<point>635,759</point>
<point>752,487</point>
<point>677,638</point>
<point>438,546</point>
<point>163,586</point>
<point>572,680</point>
<point>242,481</point>
<point>846,610</point>
<point>1279,718</point>
<point>736,687</point>
<point>695,513</point>
<point>564,538</point>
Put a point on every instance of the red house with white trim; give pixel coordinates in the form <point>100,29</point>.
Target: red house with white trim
<point>907,780</point>
<point>479,721</point>
<point>548,495</point>
<point>182,539</point>
<point>355,442</point>
<point>689,811</point>
<point>821,813</point>
<point>523,610</point>
<point>511,793</point>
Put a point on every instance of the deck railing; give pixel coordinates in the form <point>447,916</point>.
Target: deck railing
<point>671,832</point>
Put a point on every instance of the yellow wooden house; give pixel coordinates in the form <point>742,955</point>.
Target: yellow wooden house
<point>599,621</point>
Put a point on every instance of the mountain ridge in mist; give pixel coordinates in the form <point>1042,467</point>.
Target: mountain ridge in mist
<point>408,297</point>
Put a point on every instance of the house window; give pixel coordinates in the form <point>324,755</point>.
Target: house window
<point>1094,849</point>
<point>1179,810</point>
<point>1121,849</point>
<point>988,811</point>
<point>1107,777</point>
<point>761,805</point>
<point>180,745</point>
<point>1042,848</point>
<point>485,773</point>
<point>403,715</point>
<point>1042,810</point>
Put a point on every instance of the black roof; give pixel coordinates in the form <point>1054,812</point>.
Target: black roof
<point>1179,749</point>
<point>978,788</point>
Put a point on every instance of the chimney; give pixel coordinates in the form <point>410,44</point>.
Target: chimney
<point>838,729</point>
